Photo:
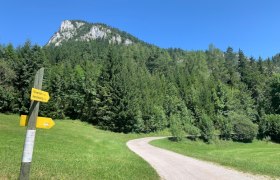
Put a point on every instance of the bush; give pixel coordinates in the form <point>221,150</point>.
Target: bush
<point>6,99</point>
<point>263,128</point>
<point>271,126</point>
<point>191,130</point>
<point>244,130</point>
<point>226,130</point>
<point>188,122</point>
<point>225,127</point>
<point>176,127</point>
<point>206,127</point>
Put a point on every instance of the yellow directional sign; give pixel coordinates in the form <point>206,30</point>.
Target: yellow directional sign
<point>23,120</point>
<point>42,122</point>
<point>39,95</point>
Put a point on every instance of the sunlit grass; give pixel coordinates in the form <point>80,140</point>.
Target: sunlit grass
<point>70,150</point>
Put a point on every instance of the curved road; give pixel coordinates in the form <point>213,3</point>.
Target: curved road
<point>174,166</point>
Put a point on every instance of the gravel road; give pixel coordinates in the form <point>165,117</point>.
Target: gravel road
<point>174,166</point>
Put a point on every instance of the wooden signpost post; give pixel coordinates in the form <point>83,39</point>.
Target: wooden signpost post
<point>37,96</point>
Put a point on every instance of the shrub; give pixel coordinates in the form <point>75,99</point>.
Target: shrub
<point>191,129</point>
<point>244,130</point>
<point>176,127</point>
<point>263,128</point>
<point>271,126</point>
<point>225,127</point>
<point>206,127</point>
<point>160,117</point>
<point>6,99</point>
<point>226,130</point>
<point>188,122</point>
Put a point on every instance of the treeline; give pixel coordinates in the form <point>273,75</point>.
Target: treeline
<point>143,88</point>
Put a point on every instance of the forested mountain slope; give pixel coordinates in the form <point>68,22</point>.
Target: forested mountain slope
<point>111,79</point>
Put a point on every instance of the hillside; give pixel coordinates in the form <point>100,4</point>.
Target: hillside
<point>136,87</point>
<point>70,150</point>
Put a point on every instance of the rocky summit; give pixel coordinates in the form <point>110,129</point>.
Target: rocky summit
<point>84,31</point>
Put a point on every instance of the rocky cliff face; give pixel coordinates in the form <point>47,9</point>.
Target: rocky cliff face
<point>83,31</point>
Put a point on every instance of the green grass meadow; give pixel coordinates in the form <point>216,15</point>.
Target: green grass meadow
<point>258,157</point>
<point>77,150</point>
<point>70,150</point>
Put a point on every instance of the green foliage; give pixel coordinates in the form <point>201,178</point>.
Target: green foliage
<point>206,127</point>
<point>176,128</point>
<point>274,94</point>
<point>243,129</point>
<point>139,123</point>
<point>6,100</point>
<point>188,122</point>
<point>159,115</point>
<point>182,124</point>
<point>225,126</point>
<point>31,58</point>
<point>142,88</point>
<point>270,126</point>
<point>7,75</point>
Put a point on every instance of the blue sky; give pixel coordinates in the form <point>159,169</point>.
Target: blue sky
<point>251,25</point>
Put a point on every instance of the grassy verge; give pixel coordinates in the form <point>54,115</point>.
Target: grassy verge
<point>258,157</point>
<point>70,150</point>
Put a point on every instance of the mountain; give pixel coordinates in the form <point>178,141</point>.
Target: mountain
<point>83,31</point>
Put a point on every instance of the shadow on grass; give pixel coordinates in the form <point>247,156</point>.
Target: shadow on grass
<point>189,137</point>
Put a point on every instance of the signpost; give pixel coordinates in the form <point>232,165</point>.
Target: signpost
<point>42,122</point>
<point>37,96</point>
